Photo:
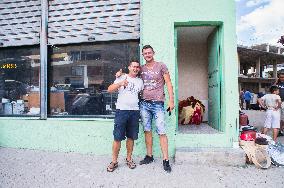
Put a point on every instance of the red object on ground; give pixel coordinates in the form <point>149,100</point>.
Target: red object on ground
<point>196,117</point>
<point>248,135</point>
<point>243,120</point>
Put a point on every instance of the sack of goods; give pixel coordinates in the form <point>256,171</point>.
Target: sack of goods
<point>191,111</point>
<point>255,148</point>
<point>276,151</point>
<point>248,133</point>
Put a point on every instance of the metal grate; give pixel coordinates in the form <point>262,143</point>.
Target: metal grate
<point>75,21</point>
<point>19,22</point>
<point>70,21</point>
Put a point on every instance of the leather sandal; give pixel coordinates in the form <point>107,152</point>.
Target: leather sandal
<point>131,164</point>
<point>112,166</point>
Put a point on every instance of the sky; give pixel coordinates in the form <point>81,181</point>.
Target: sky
<point>259,21</point>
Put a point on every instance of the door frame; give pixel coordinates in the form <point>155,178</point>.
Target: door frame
<point>219,26</point>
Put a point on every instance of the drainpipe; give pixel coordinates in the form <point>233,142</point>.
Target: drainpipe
<point>43,59</point>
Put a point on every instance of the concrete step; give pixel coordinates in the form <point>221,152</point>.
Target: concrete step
<point>210,156</point>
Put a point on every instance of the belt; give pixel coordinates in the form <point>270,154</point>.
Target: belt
<point>153,101</point>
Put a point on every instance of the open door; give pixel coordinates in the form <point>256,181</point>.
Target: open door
<point>214,84</point>
<point>199,61</point>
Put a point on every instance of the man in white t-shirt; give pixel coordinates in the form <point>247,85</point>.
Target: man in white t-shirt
<point>272,104</point>
<point>126,123</point>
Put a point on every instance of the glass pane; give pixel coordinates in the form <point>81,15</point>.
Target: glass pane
<point>80,75</point>
<point>19,81</point>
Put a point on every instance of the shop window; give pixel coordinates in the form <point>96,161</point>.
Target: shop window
<point>79,76</point>
<point>19,81</point>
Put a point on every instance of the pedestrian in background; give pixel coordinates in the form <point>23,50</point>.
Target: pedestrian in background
<point>247,98</point>
<point>241,99</point>
<point>272,103</point>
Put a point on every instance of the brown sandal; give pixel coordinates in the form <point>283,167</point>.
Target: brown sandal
<point>112,166</point>
<point>131,164</point>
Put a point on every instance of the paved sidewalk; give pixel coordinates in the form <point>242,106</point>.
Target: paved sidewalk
<point>31,168</point>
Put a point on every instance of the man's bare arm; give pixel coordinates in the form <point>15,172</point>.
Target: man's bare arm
<point>279,104</point>
<point>276,81</point>
<point>168,82</point>
<point>114,87</point>
<point>261,102</point>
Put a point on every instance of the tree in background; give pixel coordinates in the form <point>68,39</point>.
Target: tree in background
<point>281,40</point>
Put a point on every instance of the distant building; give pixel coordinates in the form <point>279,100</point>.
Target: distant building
<point>258,66</point>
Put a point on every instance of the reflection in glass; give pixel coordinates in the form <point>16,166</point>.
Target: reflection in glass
<point>19,81</point>
<point>80,74</point>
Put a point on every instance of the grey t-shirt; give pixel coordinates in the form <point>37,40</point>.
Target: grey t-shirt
<point>154,81</point>
<point>128,96</point>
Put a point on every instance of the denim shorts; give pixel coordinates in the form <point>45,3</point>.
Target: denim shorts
<point>153,110</point>
<point>126,124</point>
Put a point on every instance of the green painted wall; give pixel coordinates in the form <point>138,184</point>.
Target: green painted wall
<point>158,21</point>
<point>157,28</point>
<point>82,136</point>
<point>57,135</point>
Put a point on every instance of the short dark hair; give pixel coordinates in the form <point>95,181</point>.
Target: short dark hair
<point>273,88</point>
<point>133,60</point>
<point>147,46</point>
<point>281,72</point>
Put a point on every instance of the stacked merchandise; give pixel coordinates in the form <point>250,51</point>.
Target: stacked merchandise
<point>14,107</point>
<point>276,152</point>
<point>243,119</point>
<point>190,111</point>
<point>255,147</point>
<point>260,149</point>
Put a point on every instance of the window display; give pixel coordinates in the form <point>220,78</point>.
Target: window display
<point>80,74</point>
<point>19,81</point>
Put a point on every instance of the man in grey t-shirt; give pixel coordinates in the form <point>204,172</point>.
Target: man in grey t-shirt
<point>126,123</point>
<point>155,76</point>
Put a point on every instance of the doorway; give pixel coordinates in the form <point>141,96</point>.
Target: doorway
<point>199,74</point>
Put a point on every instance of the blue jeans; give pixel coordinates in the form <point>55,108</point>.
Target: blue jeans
<point>153,110</point>
<point>126,123</point>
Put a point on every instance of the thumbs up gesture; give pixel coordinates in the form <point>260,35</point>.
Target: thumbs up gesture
<point>124,83</point>
<point>119,73</point>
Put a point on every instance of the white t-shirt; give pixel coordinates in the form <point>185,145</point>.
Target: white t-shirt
<point>270,100</point>
<point>128,96</point>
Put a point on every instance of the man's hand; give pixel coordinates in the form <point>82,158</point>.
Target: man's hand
<point>276,81</point>
<point>171,105</point>
<point>123,83</point>
<point>119,73</point>
<point>114,87</point>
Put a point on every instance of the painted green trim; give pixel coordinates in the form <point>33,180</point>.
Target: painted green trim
<point>219,26</point>
<point>221,76</point>
<point>58,119</point>
<point>198,23</point>
<point>22,118</point>
<point>176,75</point>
